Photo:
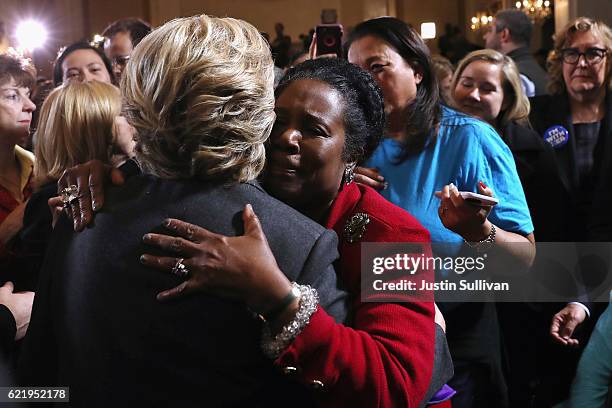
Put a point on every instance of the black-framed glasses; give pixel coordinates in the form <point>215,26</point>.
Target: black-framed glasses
<point>591,55</point>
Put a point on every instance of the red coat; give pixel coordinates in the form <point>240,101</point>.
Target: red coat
<point>7,202</point>
<point>385,359</point>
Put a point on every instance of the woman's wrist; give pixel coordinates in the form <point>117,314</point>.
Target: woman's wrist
<point>285,317</point>
<point>480,233</point>
<point>278,335</point>
<point>270,298</point>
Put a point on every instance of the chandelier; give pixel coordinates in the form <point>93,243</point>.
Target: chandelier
<point>536,10</point>
<point>480,20</point>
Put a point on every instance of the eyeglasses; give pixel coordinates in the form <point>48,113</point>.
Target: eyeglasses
<point>121,60</point>
<point>591,55</point>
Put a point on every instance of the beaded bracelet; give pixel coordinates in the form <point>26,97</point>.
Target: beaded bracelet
<point>273,346</point>
<point>484,243</point>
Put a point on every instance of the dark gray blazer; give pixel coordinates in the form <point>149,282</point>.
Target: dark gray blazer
<point>97,327</point>
<point>528,66</point>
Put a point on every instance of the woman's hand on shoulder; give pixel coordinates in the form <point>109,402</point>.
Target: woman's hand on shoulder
<point>370,177</point>
<point>89,179</point>
<point>240,268</point>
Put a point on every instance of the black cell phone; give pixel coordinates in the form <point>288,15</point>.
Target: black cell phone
<point>329,39</point>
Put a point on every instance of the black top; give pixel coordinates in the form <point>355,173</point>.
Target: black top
<point>587,135</point>
<point>8,329</point>
<point>537,168</point>
<point>97,327</point>
<point>528,66</point>
<point>587,213</point>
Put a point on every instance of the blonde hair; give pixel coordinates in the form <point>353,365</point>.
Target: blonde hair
<point>556,84</point>
<point>514,98</point>
<point>441,66</point>
<point>199,91</point>
<point>75,126</point>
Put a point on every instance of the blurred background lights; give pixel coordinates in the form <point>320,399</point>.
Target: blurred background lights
<point>30,35</point>
<point>428,30</point>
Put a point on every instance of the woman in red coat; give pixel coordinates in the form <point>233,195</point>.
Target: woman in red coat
<point>329,116</point>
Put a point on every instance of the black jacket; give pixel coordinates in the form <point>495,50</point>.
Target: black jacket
<point>596,222</point>
<point>97,327</point>
<point>528,66</point>
<point>537,168</point>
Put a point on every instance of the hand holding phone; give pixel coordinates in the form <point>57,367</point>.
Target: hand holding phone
<point>478,199</point>
<point>329,39</point>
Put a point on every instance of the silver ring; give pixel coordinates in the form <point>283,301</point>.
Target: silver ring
<point>69,194</point>
<point>179,268</point>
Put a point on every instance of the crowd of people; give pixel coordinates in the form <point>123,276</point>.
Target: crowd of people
<point>187,228</point>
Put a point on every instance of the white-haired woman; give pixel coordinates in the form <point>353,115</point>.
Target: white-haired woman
<point>199,93</point>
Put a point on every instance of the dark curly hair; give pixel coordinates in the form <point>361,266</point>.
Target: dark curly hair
<point>424,113</point>
<point>58,74</point>
<point>364,114</point>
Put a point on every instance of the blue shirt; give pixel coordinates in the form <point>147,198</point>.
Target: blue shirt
<point>466,151</point>
<point>594,373</point>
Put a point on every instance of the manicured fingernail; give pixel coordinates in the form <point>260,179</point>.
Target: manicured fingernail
<point>146,237</point>
<point>483,185</point>
<point>167,223</point>
<point>381,178</point>
<point>249,206</point>
<point>143,258</point>
<point>94,206</point>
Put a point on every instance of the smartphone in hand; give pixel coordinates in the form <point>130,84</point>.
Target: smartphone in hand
<point>329,39</point>
<point>479,199</point>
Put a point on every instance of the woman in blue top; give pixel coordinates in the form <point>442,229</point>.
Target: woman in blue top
<point>430,148</point>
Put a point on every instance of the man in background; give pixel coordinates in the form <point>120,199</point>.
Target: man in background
<point>510,34</point>
<point>121,38</point>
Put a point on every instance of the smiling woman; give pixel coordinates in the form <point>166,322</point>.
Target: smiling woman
<point>16,81</point>
<point>486,85</point>
<point>83,63</point>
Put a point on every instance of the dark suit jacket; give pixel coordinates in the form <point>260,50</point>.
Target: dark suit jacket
<point>547,111</point>
<point>528,66</point>
<point>97,327</point>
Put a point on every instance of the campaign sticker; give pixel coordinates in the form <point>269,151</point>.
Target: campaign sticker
<point>556,136</point>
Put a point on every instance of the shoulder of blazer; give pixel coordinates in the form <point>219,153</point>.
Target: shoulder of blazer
<point>547,111</point>
<point>522,138</point>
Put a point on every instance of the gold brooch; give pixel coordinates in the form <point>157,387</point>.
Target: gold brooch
<point>355,227</point>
